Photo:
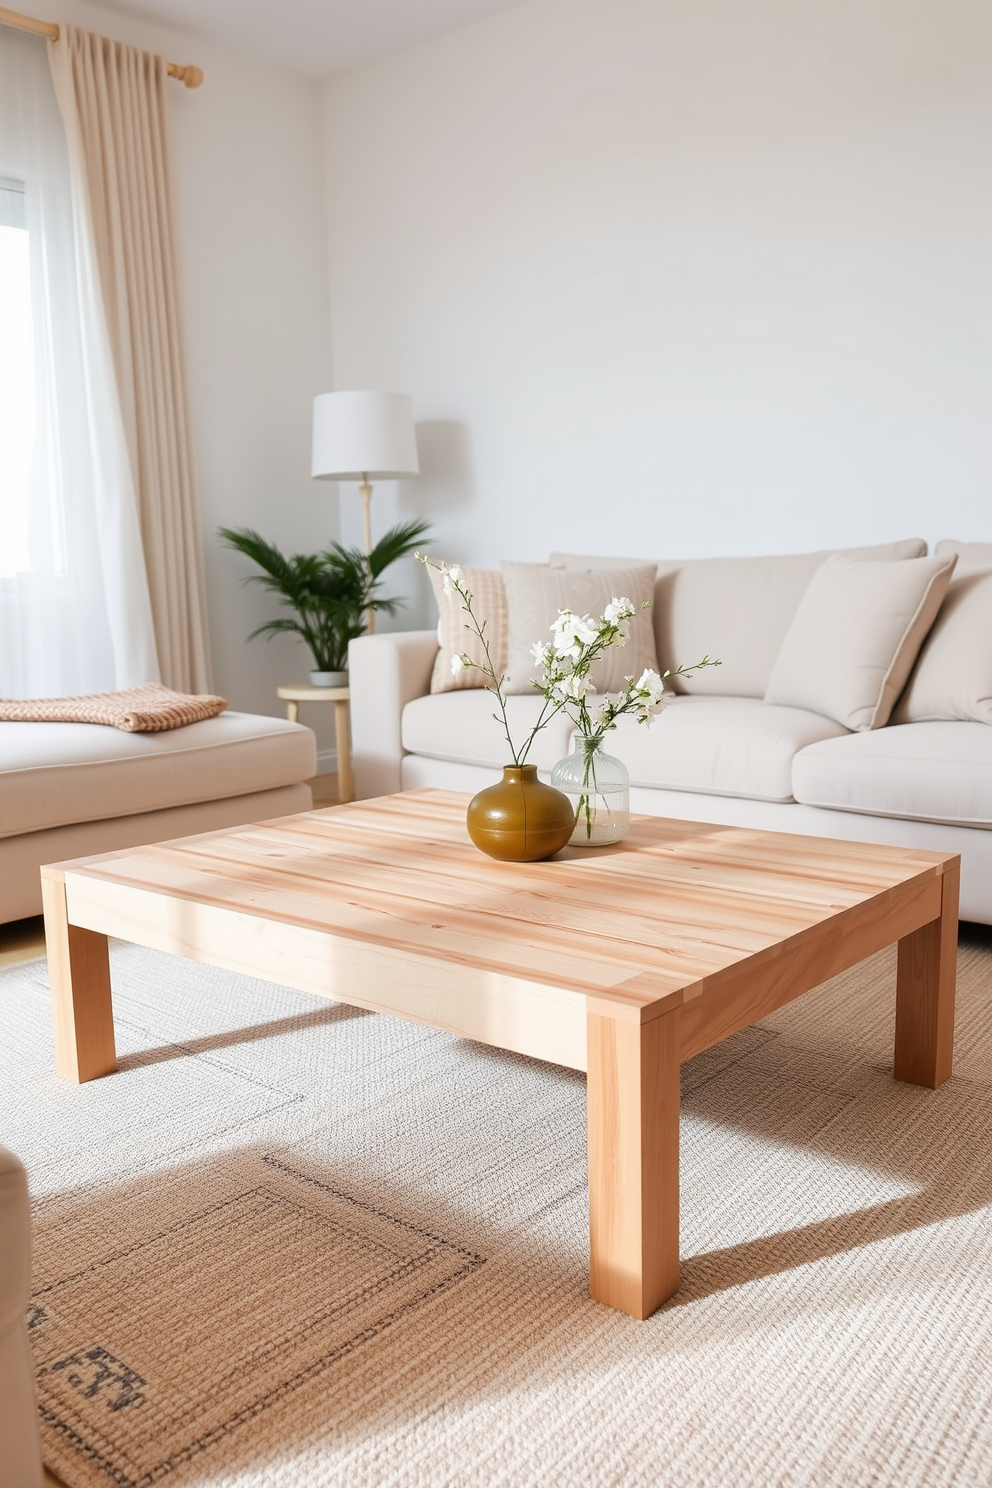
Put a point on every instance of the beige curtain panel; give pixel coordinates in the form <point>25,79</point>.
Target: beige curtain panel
<point>113,102</point>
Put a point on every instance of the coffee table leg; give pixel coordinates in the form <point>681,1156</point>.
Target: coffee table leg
<point>79,977</point>
<point>925,993</point>
<point>633,1104</point>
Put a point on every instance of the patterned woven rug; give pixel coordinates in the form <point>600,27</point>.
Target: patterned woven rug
<point>295,1243</point>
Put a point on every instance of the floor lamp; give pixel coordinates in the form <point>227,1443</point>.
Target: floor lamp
<point>364,436</point>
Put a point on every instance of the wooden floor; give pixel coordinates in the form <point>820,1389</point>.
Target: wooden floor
<point>22,940</point>
<point>324,789</point>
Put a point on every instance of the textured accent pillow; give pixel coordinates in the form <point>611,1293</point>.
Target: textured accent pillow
<point>953,675</point>
<point>534,595</point>
<point>855,636</point>
<point>489,603</point>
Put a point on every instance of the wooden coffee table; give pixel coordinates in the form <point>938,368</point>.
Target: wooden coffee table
<point>623,961</point>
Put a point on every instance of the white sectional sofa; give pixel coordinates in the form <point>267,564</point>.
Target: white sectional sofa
<point>719,753</point>
<point>68,790</point>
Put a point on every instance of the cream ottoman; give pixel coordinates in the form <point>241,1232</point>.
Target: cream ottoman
<point>68,790</point>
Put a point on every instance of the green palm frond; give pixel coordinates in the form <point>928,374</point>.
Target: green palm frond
<point>330,591</point>
<point>400,540</point>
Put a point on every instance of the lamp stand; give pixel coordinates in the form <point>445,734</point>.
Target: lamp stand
<point>365,491</point>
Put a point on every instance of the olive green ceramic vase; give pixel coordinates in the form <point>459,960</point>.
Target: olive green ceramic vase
<point>520,819</point>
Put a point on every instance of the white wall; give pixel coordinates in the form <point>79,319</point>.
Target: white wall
<point>676,276</point>
<point>250,179</point>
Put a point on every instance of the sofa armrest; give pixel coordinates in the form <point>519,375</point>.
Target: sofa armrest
<point>385,672</point>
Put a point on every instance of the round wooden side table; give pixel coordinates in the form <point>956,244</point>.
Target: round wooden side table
<point>303,692</point>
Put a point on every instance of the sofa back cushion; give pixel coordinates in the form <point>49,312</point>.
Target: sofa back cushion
<point>535,592</point>
<point>737,610</point>
<point>855,636</point>
<point>952,678</point>
<point>969,554</point>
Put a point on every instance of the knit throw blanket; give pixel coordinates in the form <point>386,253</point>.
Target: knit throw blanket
<point>144,709</point>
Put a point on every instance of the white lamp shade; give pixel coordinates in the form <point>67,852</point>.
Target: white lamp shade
<point>363,435</point>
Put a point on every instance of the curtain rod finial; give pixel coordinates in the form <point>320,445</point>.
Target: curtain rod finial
<point>191,76</point>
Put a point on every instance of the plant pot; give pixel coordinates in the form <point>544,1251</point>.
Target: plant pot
<point>520,819</point>
<point>329,679</point>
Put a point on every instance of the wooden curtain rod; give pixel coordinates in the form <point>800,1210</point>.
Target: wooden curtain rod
<point>191,76</point>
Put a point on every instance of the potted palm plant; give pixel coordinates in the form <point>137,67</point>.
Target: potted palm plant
<point>333,593</point>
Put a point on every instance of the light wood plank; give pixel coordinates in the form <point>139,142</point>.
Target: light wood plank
<point>520,1014</point>
<point>79,978</point>
<point>633,1116</point>
<point>632,924</point>
<point>691,933</point>
<point>788,866</point>
<point>449,872</point>
<point>927,968</point>
<point>469,940</point>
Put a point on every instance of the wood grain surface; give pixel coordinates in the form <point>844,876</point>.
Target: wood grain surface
<point>674,908</point>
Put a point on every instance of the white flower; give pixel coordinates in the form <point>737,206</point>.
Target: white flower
<point>617,610</point>
<point>572,688</point>
<point>652,684</point>
<point>457,666</point>
<point>578,687</point>
<point>450,576</point>
<point>541,653</point>
<point>571,632</point>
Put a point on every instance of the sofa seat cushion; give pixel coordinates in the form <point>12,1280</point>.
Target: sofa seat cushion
<point>460,726</point>
<point>719,746</point>
<point>934,772</point>
<point>52,774</point>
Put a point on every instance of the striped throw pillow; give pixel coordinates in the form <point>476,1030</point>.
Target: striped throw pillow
<point>489,604</point>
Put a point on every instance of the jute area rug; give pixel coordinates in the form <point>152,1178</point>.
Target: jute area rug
<point>291,1243</point>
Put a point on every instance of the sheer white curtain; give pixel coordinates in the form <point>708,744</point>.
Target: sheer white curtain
<point>113,101</point>
<point>75,614</point>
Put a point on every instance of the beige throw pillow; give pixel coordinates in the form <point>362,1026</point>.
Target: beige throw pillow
<point>953,676</point>
<point>855,636</point>
<point>489,604</point>
<point>534,595</point>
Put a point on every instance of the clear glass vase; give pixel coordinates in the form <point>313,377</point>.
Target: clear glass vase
<point>598,787</point>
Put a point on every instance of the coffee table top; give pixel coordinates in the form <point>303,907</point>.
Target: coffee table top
<point>659,918</point>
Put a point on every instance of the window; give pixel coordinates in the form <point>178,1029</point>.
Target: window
<point>17,379</point>
<point>70,550</point>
